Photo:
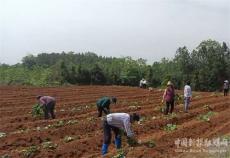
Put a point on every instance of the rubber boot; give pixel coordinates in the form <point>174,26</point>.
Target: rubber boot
<point>118,142</point>
<point>105,149</point>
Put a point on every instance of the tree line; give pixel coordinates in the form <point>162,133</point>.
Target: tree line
<point>206,66</point>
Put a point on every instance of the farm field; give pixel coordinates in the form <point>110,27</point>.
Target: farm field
<point>77,131</point>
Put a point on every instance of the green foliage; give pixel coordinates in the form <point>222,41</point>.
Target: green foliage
<point>170,127</point>
<point>132,141</point>
<point>207,107</point>
<point>120,154</point>
<point>37,111</point>
<point>151,143</point>
<point>206,67</point>
<point>6,156</point>
<point>2,134</point>
<point>179,99</point>
<point>49,145</point>
<point>30,151</point>
<point>206,117</point>
<point>68,139</point>
<point>226,137</point>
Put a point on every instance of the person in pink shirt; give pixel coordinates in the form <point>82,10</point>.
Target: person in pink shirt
<point>168,97</point>
<point>48,105</point>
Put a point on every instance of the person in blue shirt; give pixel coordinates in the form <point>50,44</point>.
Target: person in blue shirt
<point>104,103</point>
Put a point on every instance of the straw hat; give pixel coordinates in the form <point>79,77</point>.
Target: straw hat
<point>226,81</point>
<point>169,83</point>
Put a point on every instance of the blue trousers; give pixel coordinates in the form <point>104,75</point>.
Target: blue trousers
<point>107,137</point>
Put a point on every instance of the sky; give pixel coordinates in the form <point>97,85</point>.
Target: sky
<point>149,29</point>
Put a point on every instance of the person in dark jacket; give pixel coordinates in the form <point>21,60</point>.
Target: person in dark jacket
<point>116,122</point>
<point>168,97</point>
<point>48,105</point>
<point>104,103</point>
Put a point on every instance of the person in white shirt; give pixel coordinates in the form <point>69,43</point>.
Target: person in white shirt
<point>187,96</point>
<point>115,122</point>
<point>226,87</point>
<point>143,83</point>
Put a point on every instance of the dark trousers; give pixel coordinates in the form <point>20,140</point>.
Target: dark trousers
<point>225,92</point>
<point>104,109</point>
<point>49,109</point>
<point>107,132</point>
<point>169,105</point>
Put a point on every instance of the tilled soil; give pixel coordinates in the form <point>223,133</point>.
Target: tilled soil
<point>77,117</point>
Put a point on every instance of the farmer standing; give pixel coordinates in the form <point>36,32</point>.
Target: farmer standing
<point>104,103</point>
<point>168,96</point>
<point>187,96</point>
<point>48,105</point>
<point>226,87</point>
<point>117,122</point>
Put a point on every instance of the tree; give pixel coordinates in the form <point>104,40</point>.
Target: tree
<point>183,63</point>
<point>210,65</point>
<point>29,61</point>
<point>97,75</point>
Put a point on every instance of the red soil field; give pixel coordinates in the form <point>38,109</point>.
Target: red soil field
<point>76,116</point>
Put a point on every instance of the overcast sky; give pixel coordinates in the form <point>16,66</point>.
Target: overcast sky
<point>150,29</point>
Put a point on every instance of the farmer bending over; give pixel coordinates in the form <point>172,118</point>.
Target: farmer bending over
<point>104,103</point>
<point>48,105</point>
<point>117,122</point>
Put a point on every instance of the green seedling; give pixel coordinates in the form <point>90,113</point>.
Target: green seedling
<point>6,156</point>
<point>151,144</point>
<point>207,107</point>
<point>71,122</point>
<point>178,99</point>
<point>170,127</point>
<point>30,151</point>
<point>62,110</point>
<point>49,145</point>
<point>226,137</point>
<point>68,139</point>
<point>59,124</point>
<point>90,118</point>
<point>206,117</point>
<point>132,142</point>
<point>37,111</point>
<point>2,134</point>
<point>134,107</point>
<point>120,154</point>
